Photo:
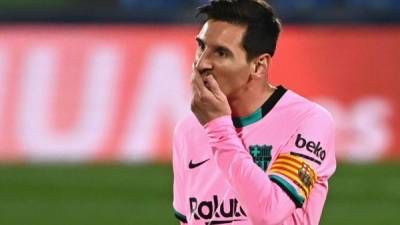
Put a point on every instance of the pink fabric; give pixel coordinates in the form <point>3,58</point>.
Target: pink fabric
<point>230,187</point>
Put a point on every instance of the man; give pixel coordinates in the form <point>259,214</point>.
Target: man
<point>250,153</point>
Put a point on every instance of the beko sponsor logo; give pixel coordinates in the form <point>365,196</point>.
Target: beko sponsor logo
<point>311,146</point>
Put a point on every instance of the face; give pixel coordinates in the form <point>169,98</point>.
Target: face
<point>220,53</point>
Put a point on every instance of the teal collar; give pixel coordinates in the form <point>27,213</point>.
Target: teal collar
<point>262,111</point>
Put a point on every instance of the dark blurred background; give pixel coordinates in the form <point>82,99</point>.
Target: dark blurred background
<point>182,11</point>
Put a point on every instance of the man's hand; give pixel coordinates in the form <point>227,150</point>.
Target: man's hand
<point>208,101</point>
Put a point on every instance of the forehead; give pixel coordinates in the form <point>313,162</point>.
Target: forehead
<point>222,33</point>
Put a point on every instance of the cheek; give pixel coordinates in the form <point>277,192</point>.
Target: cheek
<point>237,74</point>
<point>232,77</point>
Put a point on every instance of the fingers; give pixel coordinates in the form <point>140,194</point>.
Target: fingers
<point>208,101</point>
<point>200,89</point>
<point>213,85</point>
<point>197,81</point>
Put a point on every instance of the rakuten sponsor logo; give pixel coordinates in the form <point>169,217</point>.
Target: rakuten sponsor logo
<point>214,211</point>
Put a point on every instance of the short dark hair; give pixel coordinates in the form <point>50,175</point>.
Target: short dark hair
<point>263,26</point>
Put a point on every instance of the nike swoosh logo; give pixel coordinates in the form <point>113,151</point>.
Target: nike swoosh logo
<point>222,222</point>
<point>194,165</point>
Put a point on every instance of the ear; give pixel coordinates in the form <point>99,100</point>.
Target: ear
<point>260,66</point>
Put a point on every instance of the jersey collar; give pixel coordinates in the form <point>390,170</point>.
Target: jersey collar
<point>262,111</point>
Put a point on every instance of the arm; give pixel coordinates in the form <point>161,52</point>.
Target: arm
<point>264,201</point>
<point>179,180</point>
<point>300,172</point>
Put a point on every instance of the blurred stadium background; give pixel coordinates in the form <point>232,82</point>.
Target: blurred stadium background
<point>90,92</point>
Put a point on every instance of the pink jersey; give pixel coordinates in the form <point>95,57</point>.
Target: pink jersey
<point>271,167</point>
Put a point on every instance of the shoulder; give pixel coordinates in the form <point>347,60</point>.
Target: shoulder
<point>187,124</point>
<point>189,134</point>
<point>315,131</point>
<point>188,128</point>
<point>313,135</point>
<point>307,111</point>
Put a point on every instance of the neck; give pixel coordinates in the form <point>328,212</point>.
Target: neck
<point>248,101</point>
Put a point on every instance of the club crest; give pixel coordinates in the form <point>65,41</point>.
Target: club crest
<point>261,155</point>
<point>306,175</point>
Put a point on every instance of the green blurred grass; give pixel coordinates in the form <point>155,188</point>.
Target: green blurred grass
<point>365,195</point>
<point>142,195</point>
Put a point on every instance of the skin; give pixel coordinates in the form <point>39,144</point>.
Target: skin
<point>224,82</point>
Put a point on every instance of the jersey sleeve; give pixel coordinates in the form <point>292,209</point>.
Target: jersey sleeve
<point>268,198</point>
<point>260,197</point>
<point>179,179</point>
<point>307,159</point>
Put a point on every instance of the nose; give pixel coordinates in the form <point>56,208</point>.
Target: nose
<point>203,63</point>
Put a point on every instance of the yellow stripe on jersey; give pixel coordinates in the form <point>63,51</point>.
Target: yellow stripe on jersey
<point>297,170</point>
<point>296,165</point>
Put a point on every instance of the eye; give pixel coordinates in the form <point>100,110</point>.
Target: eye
<point>200,45</point>
<point>221,53</point>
